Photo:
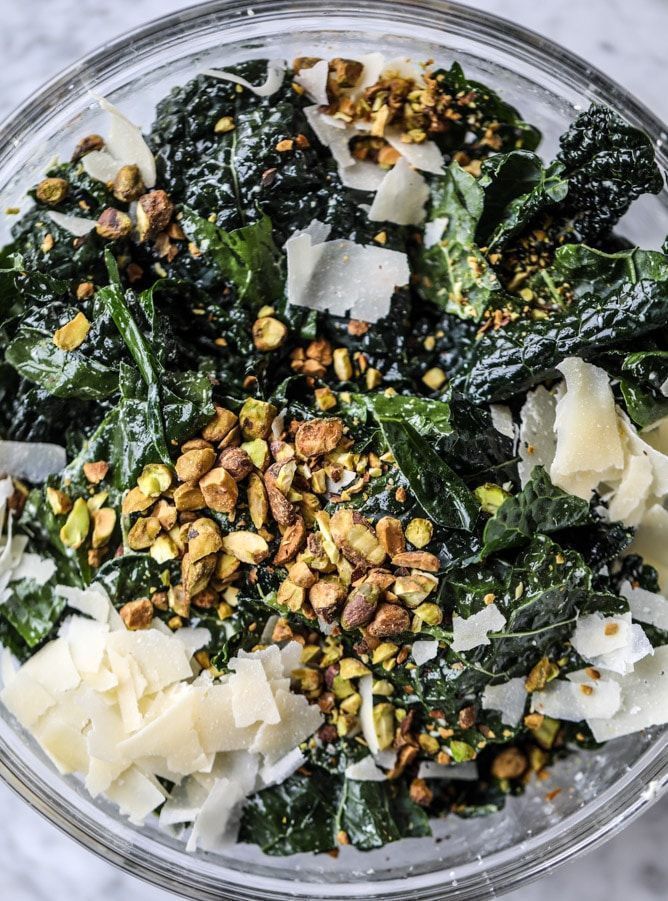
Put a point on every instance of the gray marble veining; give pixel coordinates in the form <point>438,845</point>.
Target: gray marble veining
<point>627,40</point>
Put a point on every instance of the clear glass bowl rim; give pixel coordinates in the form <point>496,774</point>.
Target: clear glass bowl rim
<point>646,780</point>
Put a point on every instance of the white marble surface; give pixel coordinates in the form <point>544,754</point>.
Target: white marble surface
<point>39,37</point>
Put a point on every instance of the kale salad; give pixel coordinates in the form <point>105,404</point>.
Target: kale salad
<point>334,455</point>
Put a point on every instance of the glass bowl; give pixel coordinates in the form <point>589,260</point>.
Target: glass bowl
<point>601,791</point>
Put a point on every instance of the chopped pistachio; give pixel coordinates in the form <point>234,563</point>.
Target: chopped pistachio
<point>163,549</point>
<point>258,451</point>
<point>135,501</point>
<point>73,334</point>
<point>269,333</point>
<point>143,533</point>
<point>77,525</point>
<point>137,614</point>
<point>490,497</point>
<point>255,419</point>
<point>352,668</point>
<point>434,378</point>
<point>383,722</point>
<point>204,538</point>
<point>59,502</point>
<point>419,532</point>
<point>104,521</point>
<point>155,479</point>
<point>342,364</point>
<point>249,547</point>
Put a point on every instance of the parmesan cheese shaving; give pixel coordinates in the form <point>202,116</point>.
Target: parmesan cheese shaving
<point>651,542</point>
<point>365,770</point>
<point>471,632</point>
<point>123,146</point>
<point>509,699</point>
<point>275,74</point>
<point>425,156</point>
<point>34,461</point>
<point>401,196</point>
<point>538,443</point>
<point>589,447</point>
<point>343,277</point>
<point>314,82</point>
<point>365,687</point>
<point>122,708</point>
<point>577,701</point>
<point>79,226</point>
<point>643,699</point>
<point>423,651</point>
<point>645,606</point>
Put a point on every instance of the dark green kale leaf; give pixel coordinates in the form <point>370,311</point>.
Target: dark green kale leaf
<point>455,275</point>
<point>539,507</point>
<point>609,164</point>
<point>643,375</point>
<point>125,439</point>
<point>430,418</point>
<point>130,577</point>
<point>247,257</point>
<point>32,610</point>
<point>516,187</point>
<point>308,813</point>
<point>439,491</point>
<point>173,404</point>
<point>480,122</point>
<point>633,303</point>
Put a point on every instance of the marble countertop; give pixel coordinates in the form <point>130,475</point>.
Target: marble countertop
<point>627,40</point>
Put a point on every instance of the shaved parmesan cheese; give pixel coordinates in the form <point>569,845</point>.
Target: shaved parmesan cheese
<point>278,772</point>
<point>87,640</point>
<point>538,443</point>
<point>32,566</point>
<point>362,176</point>
<point>183,804</point>
<point>268,630</point>
<point>9,666</point>
<point>26,698</point>
<point>646,607</point>
<point>136,795</point>
<point>314,81</point>
<point>365,770</point>
<point>464,772</point>
<point>425,156</point>
<point>275,74</point>
<point>60,735</point>
<point>577,701</point>
<point>252,697</point>
<point>211,824</point>
<point>162,659</point>
<point>651,542</point>
<point>291,656</point>
<point>366,714</point>
<point>644,699</point>
<point>502,420</point>
<point>215,723</point>
<point>333,134</point>
<point>627,502</point>
<point>372,68</point>
<point>52,666</point>
<point>298,721</point>
<point>433,231</point>
<point>31,460</point>
<point>79,226</point>
<point>624,659</point>
<point>193,639</point>
<point>423,651</point>
<point>123,146</point>
<point>343,277</point>
<point>471,632</point>
<point>508,698</point>
<point>597,634</point>
<point>589,446</point>
<point>93,601</point>
<point>401,196</point>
